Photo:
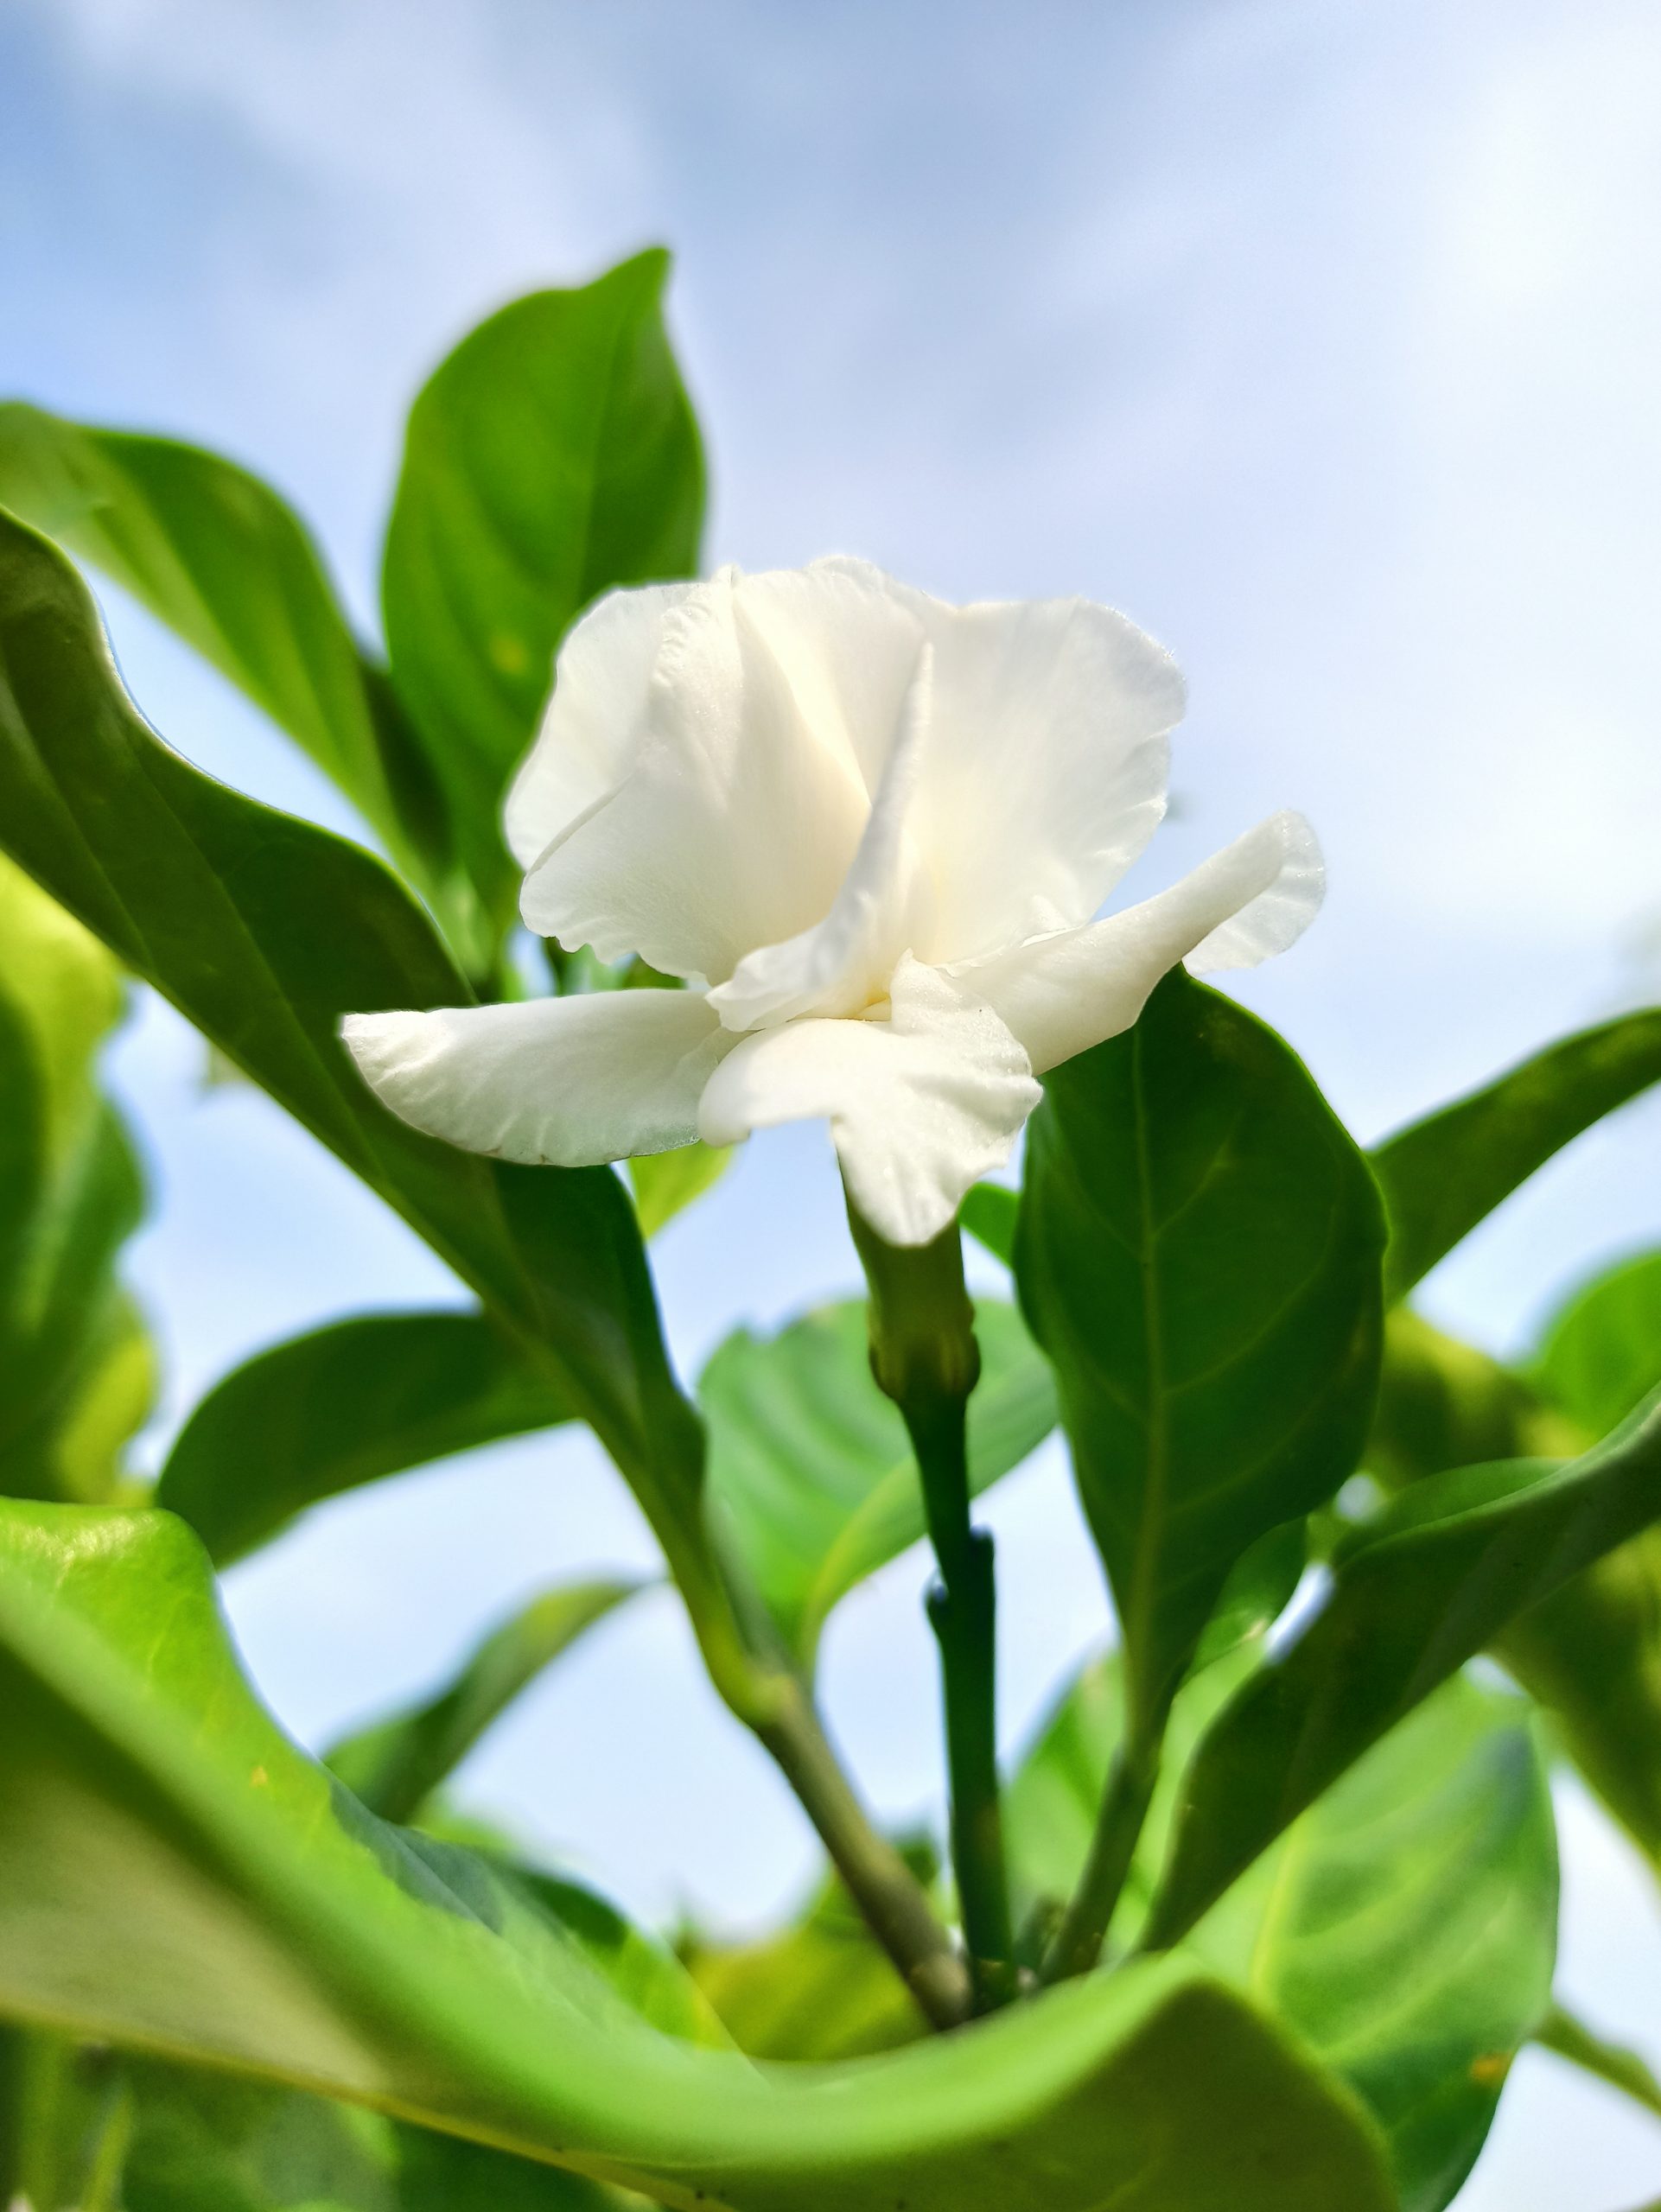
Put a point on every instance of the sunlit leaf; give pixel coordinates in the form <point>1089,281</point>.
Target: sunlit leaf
<point>552,457</point>
<point>665,1183</point>
<point>1601,1352</point>
<point>172,1871</point>
<point>1198,1251</point>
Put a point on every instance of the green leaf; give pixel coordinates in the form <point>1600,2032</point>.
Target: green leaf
<point>1591,1652</point>
<point>989,1214</point>
<point>1198,1251</point>
<point>263,932</point>
<point>1419,1590</point>
<point>65,2121</point>
<point>223,562</point>
<point>1444,1174</point>
<point>174,1873</point>
<point>552,457</point>
<point>1601,1352</point>
<point>1404,1927</point>
<point>821,1988</point>
<point>666,1182</point>
<point>395,1765</point>
<point>1622,2068</point>
<point>344,1405</point>
<point>812,1467</point>
<point>206,2143</point>
<point>76,1368</point>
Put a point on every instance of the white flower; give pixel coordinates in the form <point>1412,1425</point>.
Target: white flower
<point>871,831</point>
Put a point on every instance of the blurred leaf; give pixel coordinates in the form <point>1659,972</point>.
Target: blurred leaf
<point>1260,1586</point>
<point>65,2119</point>
<point>395,1765</point>
<point>1198,1252</point>
<point>1404,1927</point>
<point>76,1367</point>
<point>1418,1591</point>
<point>822,1988</point>
<point>223,562</point>
<point>344,1405</point>
<point>1444,1174</point>
<point>1591,1652</point>
<point>989,1214</point>
<point>812,1466</point>
<point>552,457</point>
<point>664,1182</point>
<point>174,1872</point>
<point>1623,2069</point>
<point>1601,1352</point>
<point>264,931</point>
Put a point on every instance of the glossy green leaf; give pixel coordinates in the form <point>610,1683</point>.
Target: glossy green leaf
<point>344,1405</point>
<point>396,1765</point>
<point>1601,1352</point>
<point>76,1367</point>
<point>1404,1927</point>
<point>811,1465</point>
<point>1419,1590</point>
<point>175,1873</point>
<point>1198,1251</point>
<point>264,931</point>
<point>1591,1652</point>
<point>222,561</point>
<point>552,457</point>
<point>1444,1174</point>
<point>666,1183</point>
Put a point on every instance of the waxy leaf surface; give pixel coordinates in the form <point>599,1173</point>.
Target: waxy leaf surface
<point>173,1873</point>
<point>553,456</point>
<point>1198,1251</point>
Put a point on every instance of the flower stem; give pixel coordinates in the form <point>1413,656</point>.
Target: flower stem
<point>924,1357</point>
<point>1077,1944</point>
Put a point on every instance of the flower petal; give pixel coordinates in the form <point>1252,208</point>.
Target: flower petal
<point>1046,775</point>
<point>771,699</point>
<point>560,1083</point>
<point>920,1106</point>
<point>844,964</point>
<point>1061,994</point>
<point>595,719</point>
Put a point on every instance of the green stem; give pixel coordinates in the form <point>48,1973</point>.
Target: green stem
<point>1077,1945</point>
<point>1613,2062</point>
<point>924,1357</point>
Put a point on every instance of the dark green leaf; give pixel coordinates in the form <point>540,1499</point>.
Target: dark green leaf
<point>396,1765</point>
<point>1404,1926</point>
<point>215,555</point>
<point>812,1463</point>
<point>174,1872</point>
<point>1419,1591</point>
<point>1198,1251</point>
<point>1444,1174</point>
<point>264,931</point>
<point>345,1405</point>
<point>552,457</point>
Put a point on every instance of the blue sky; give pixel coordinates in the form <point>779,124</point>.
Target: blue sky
<point>1322,341</point>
